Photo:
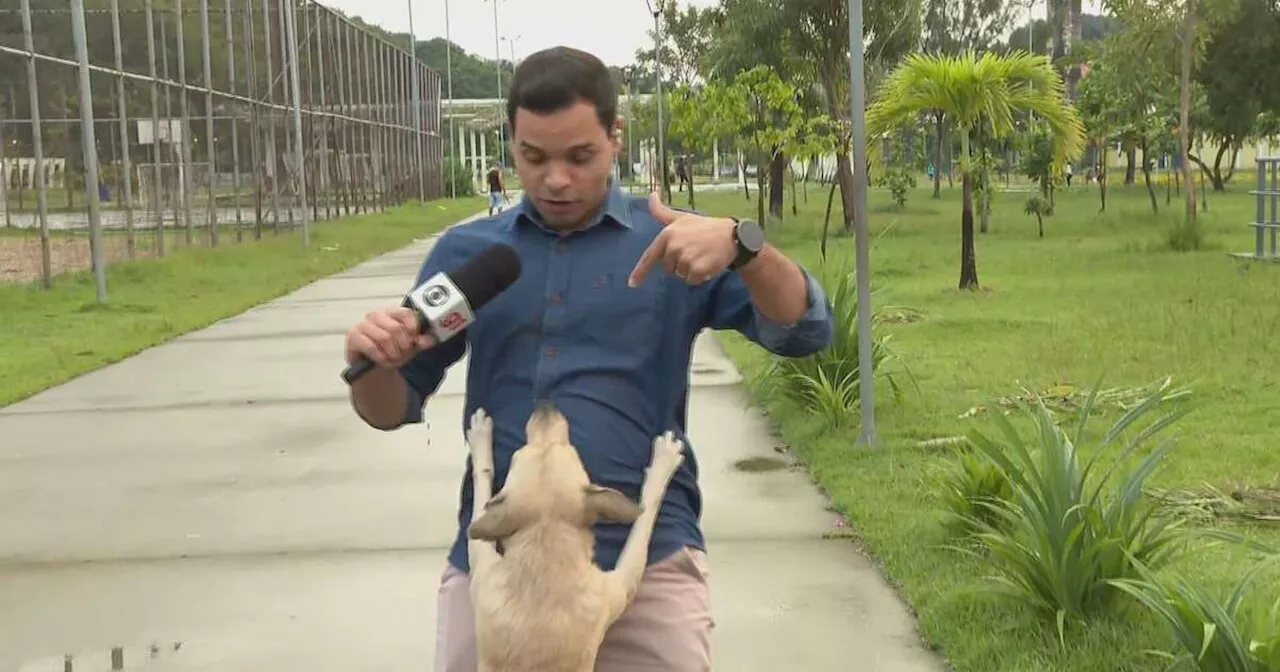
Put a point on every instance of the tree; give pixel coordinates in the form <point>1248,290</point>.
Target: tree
<point>1237,76</point>
<point>757,107</point>
<point>818,31</point>
<point>989,89</point>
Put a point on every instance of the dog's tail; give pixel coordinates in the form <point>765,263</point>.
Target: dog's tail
<point>547,425</point>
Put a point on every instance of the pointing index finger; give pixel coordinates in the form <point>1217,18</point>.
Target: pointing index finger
<point>650,257</point>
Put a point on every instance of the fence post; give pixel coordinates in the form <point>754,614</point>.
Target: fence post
<point>300,190</point>
<point>126,166</point>
<point>210,140</point>
<point>37,142</point>
<point>1259,231</point>
<point>89,148</point>
<point>157,179</point>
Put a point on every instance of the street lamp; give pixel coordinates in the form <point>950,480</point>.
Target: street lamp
<point>511,47</point>
<point>453,137</point>
<point>417,106</point>
<point>497,62</point>
<point>657,75</point>
<point>857,119</point>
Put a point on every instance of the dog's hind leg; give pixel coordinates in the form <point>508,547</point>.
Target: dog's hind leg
<point>667,457</point>
<point>483,554</point>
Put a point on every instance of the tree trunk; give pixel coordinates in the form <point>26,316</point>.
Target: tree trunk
<point>777,183</point>
<point>968,256</point>
<point>761,166</point>
<point>1040,223</point>
<point>826,222</point>
<point>937,152</point>
<point>1131,159</point>
<point>1184,105</point>
<point>844,176</point>
<point>1146,177</point>
<point>1102,177</point>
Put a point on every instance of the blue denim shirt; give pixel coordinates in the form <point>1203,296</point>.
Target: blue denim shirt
<point>613,359</point>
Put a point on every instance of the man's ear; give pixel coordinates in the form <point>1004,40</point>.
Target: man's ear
<point>609,504</point>
<point>498,521</point>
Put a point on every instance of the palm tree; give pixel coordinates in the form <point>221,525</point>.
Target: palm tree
<point>992,90</point>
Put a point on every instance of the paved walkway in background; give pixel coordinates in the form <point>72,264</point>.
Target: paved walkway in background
<point>215,496</point>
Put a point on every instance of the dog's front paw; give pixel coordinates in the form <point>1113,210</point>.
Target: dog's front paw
<point>480,439</point>
<point>668,454</point>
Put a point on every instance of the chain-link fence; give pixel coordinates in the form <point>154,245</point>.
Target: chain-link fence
<point>128,127</point>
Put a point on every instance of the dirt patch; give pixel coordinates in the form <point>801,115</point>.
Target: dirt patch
<point>21,258</point>
<point>760,464</point>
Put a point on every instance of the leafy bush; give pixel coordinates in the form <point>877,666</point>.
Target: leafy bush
<point>1213,636</point>
<point>461,180</point>
<point>900,179</point>
<point>972,486</point>
<point>1184,236</point>
<point>1063,535</point>
<point>829,381</point>
<point>1040,207</point>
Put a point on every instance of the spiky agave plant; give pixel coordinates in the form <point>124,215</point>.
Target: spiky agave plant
<point>1066,531</point>
<point>828,382</point>
<point>1212,635</point>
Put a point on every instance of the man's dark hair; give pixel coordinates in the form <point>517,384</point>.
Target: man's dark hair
<point>557,78</point>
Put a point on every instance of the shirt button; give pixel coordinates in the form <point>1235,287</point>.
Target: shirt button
<point>561,246</point>
<point>552,351</point>
<point>555,298</point>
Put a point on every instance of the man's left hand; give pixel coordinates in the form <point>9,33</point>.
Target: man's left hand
<point>692,247</point>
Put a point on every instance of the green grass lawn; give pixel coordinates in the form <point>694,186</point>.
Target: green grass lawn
<point>1101,294</point>
<point>48,337</point>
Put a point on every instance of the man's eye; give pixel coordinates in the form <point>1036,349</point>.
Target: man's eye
<point>582,158</point>
<point>535,158</point>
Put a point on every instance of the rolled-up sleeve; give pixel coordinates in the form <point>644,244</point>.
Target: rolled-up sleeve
<point>728,306</point>
<point>424,373</point>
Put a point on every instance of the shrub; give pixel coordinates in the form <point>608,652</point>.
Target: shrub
<point>828,382</point>
<point>1212,636</point>
<point>971,487</point>
<point>1063,535</point>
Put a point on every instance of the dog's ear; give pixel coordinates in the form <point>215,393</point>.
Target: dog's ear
<point>610,504</point>
<point>498,521</point>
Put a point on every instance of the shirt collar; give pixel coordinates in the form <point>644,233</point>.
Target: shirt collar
<point>615,208</point>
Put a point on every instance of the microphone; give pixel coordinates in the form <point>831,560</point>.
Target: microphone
<point>446,303</point>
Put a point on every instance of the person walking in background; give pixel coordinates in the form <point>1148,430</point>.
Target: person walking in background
<point>682,172</point>
<point>497,190</point>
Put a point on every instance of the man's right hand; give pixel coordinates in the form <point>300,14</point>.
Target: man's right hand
<point>389,337</point>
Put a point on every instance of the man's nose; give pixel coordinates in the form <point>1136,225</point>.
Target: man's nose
<point>558,176</point>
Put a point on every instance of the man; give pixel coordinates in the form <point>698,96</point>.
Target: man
<point>601,322</point>
<point>682,172</point>
<point>497,190</point>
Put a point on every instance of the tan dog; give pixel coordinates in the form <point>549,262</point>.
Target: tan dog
<point>544,605</point>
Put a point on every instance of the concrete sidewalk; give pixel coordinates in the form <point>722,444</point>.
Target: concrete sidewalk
<point>217,498</point>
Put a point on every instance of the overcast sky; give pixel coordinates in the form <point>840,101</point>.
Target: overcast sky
<point>531,25</point>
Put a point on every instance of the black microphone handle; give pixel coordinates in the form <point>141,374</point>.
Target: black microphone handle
<point>362,366</point>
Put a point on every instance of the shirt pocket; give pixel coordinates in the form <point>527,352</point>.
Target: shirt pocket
<point>615,316</point>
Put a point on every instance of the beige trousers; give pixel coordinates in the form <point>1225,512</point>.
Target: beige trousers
<point>667,628</point>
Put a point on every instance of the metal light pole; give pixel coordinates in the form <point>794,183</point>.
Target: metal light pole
<point>497,62</point>
<point>296,91</point>
<point>417,105</point>
<point>657,75</point>
<point>89,146</point>
<point>857,119</point>
<point>453,137</point>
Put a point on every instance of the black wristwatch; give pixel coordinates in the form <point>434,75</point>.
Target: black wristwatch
<point>748,236</point>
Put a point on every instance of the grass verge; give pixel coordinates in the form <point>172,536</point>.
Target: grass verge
<point>51,336</point>
<point>1101,294</point>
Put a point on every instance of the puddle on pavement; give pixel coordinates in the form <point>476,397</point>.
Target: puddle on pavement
<point>760,464</point>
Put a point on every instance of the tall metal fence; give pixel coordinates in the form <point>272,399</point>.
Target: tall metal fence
<point>129,127</point>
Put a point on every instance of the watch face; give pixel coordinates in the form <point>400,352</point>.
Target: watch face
<point>751,235</point>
